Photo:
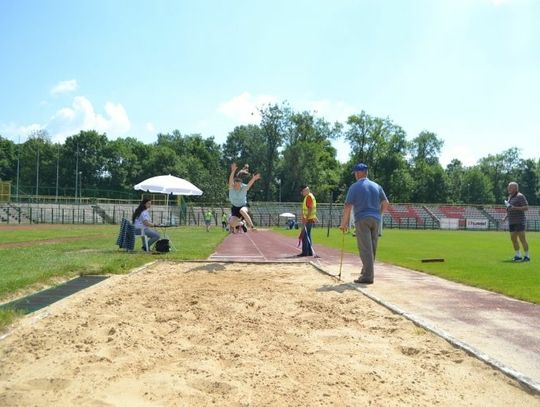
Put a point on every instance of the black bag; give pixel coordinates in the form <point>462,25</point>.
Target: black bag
<point>163,246</point>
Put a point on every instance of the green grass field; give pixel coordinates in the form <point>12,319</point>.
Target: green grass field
<point>479,259</point>
<point>49,253</point>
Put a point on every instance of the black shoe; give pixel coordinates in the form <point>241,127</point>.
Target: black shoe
<point>301,255</point>
<point>244,228</point>
<point>362,280</point>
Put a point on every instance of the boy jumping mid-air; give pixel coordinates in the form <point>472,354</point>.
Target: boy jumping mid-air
<point>238,198</point>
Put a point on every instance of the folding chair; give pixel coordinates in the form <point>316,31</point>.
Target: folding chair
<point>140,232</point>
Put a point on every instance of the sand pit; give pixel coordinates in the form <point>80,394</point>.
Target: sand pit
<point>196,334</point>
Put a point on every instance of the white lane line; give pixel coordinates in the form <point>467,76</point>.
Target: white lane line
<point>238,257</point>
<point>256,247</point>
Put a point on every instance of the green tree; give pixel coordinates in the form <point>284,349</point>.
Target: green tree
<point>274,124</point>
<point>430,182</point>
<point>426,148</point>
<point>454,175</point>
<point>84,161</point>
<point>501,169</point>
<point>382,145</point>
<point>528,179</point>
<point>309,157</point>
<point>246,145</point>
<point>476,187</point>
<point>194,158</point>
<point>33,159</point>
<point>125,164</point>
<point>8,160</point>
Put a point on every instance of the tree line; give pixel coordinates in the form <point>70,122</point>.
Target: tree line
<point>287,147</point>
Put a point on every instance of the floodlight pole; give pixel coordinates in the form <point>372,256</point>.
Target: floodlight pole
<point>57,171</point>
<point>37,170</point>
<point>76,171</point>
<point>18,166</point>
<point>80,186</point>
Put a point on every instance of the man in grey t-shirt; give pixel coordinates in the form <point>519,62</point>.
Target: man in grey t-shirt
<point>516,206</point>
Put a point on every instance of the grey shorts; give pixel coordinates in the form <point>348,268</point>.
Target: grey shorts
<point>517,227</point>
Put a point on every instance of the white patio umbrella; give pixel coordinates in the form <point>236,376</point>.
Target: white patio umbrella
<point>287,215</point>
<point>168,184</point>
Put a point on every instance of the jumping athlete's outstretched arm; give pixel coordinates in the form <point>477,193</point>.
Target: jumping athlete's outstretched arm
<point>231,176</point>
<point>252,180</point>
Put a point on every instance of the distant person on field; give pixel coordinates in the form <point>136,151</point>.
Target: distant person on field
<point>516,206</point>
<point>238,198</point>
<point>208,219</point>
<point>224,221</point>
<point>368,200</point>
<point>141,221</point>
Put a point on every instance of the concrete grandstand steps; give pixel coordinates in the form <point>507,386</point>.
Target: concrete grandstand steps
<point>410,215</point>
<point>104,215</point>
<point>264,214</point>
<point>8,214</point>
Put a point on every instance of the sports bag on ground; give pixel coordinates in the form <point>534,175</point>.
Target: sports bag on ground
<point>163,246</point>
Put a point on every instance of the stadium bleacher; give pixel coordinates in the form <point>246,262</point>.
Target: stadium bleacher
<point>409,215</point>
<point>264,214</point>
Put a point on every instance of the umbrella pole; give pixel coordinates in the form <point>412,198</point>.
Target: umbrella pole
<point>168,212</point>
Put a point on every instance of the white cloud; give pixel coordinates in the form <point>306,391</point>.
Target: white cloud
<point>64,87</point>
<point>331,111</point>
<point>150,127</point>
<point>243,109</point>
<point>81,116</point>
<point>18,133</point>
<point>467,155</point>
<point>343,149</point>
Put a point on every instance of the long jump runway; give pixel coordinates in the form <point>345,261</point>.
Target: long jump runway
<point>499,330</point>
<point>258,246</point>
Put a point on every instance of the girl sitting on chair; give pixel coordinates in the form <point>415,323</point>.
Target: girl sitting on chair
<point>142,222</point>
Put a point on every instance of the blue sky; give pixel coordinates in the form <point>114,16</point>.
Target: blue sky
<point>467,70</point>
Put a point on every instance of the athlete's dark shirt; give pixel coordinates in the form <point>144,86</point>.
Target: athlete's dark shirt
<point>517,217</point>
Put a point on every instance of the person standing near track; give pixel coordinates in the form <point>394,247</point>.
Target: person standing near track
<point>224,221</point>
<point>309,217</point>
<point>516,206</point>
<point>369,202</point>
<point>238,198</point>
<point>208,219</point>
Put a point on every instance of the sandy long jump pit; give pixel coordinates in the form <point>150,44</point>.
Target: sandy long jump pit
<point>198,334</point>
